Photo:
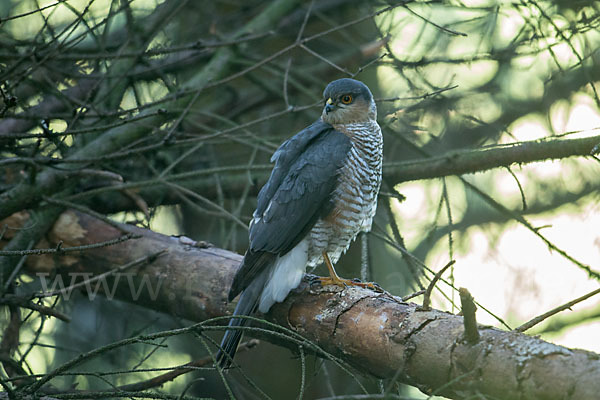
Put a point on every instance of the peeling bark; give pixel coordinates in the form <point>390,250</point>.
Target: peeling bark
<point>376,333</point>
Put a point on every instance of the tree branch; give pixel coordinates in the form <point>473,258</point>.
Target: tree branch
<point>471,161</point>
<point>376,333</point>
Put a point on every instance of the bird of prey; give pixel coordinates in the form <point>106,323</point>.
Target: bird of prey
<point>321,193</point>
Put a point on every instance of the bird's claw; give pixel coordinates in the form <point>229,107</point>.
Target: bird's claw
<point>313,279</point>
<point>377,287</point>
<point>371,285</point>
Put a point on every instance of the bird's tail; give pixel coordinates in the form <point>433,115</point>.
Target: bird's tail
<point>246,305</point>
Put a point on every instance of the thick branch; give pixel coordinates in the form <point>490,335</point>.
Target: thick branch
<point>470,161</point>
<point>376,333</point>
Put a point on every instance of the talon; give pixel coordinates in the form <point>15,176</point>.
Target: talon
<point>313,280</point>
<point>378,288</point>
<point>334,279</point>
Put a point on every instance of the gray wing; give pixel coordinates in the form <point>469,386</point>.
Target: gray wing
<point>298,192</point>
<point>285,156</point>
<point>300,188</point>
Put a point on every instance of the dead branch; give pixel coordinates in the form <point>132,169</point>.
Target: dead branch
<point>468,309</point>
<point>376,333</point>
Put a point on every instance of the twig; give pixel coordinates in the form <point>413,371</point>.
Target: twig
<point>421,97</point>
<point>104,349</point>
<point>42,220</point>
<point>468,310</point>
<point>200,46</point>
<point>9,101</point>
<point>80,131</point>
<point>536,231</point>
<point>427,295</point>
<point>40,9</point>
<point>178,371</point>
<point>85,210</point>
<point>16,270</point>
<point>197,196</point>
<point>96,173</point>
<point>285,83</point>
<point>413,295</point>
<point>450,31</point>
<point>287,49</point>
<point>523,198</point>
<point>405,252</point>
<point>26,303</point>
<point>540,318</point>
<point>304,21</point>
<point>325,60</point>
<point>10,343</point>
<point>451,163</point>
<point>60,249</point>
<point>10,335</point>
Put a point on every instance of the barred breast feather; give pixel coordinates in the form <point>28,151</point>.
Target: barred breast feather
<point>355,195</point>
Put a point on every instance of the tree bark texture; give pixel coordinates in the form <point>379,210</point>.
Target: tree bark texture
<point>375,332</point>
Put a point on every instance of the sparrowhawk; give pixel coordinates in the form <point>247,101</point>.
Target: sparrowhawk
<point>321,193</point>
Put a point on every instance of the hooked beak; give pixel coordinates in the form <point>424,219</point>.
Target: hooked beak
<point>329,106</point>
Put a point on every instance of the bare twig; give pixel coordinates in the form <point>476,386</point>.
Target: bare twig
<point>40,9</point>
<point>60,249</point>
<point>442,28</point>
<point>83,209</point>
<point>16,270</point>
<point>530,324</point>
<point>468,311</point>
<point>181,370</point>
<point>413,295</point>
<point>26,303</point>
<point>427,295</point>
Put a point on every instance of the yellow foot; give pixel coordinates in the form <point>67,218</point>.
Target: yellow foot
<point>334,279</point>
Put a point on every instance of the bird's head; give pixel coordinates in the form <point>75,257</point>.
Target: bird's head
<point>348,101</point>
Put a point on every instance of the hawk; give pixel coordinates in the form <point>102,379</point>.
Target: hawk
<point>321,193</point>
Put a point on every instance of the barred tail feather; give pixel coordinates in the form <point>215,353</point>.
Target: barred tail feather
<point>246,305</point>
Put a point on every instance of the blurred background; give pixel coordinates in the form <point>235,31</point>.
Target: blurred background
<point>204,92</point>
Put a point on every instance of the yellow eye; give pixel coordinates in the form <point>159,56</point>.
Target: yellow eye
<point>347,99</point>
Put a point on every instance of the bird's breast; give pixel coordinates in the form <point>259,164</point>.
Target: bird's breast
<point>355,196</point>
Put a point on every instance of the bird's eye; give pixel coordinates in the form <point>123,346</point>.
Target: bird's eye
<point>346,99</point>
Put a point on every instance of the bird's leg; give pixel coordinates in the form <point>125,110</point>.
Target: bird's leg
<point>334,279</point>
